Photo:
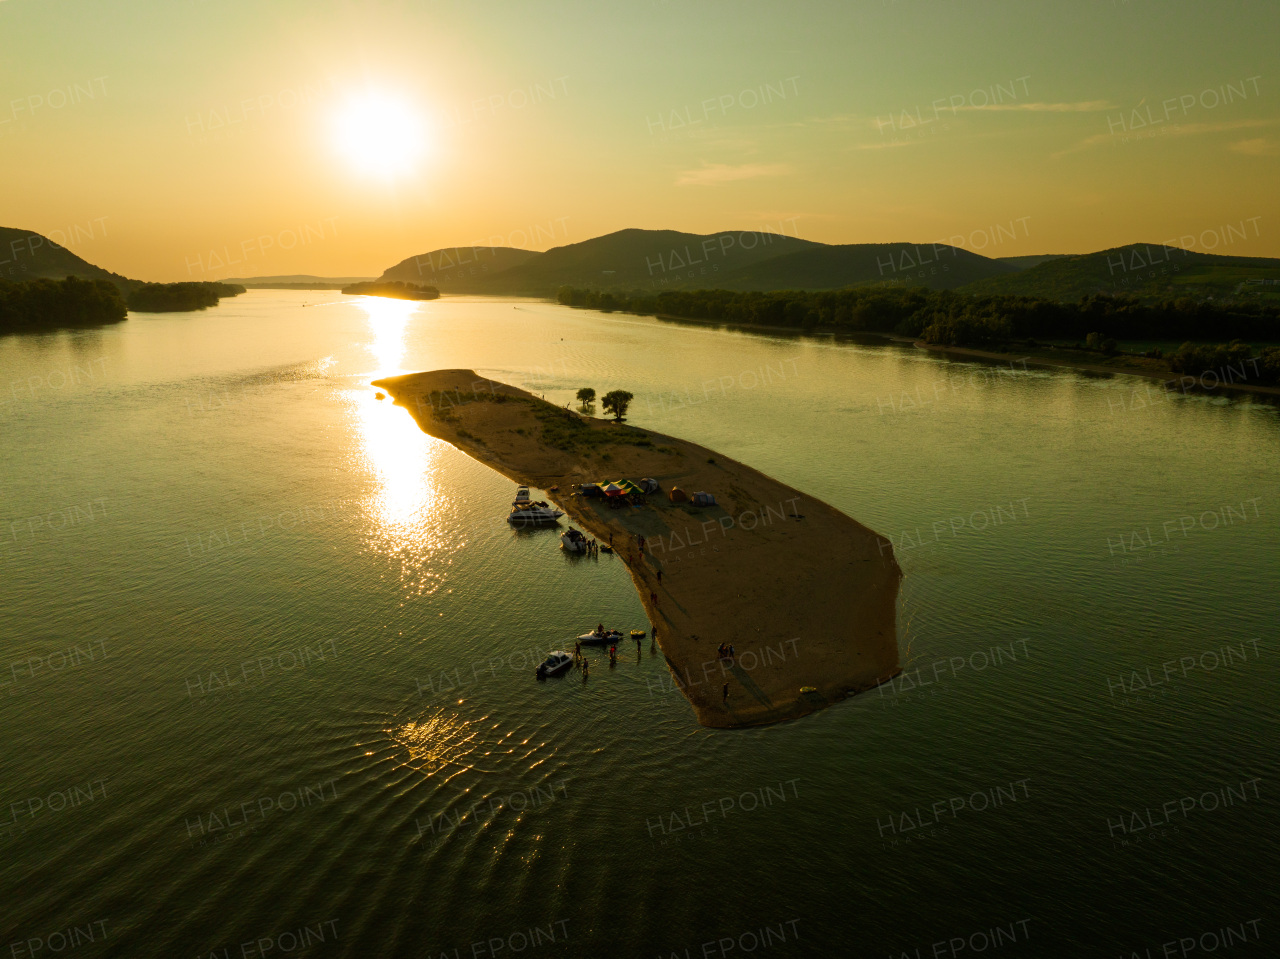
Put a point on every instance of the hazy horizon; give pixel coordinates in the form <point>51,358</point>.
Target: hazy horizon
<point>338,140</point>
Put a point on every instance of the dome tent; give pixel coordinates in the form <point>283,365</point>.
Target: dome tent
<point>649,485</point>
<point>677,495</point>
<point>703,499</point>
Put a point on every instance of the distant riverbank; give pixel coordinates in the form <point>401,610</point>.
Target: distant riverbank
<point>393,289</point>
<point>1229,379</point>
<point>1233,380</point>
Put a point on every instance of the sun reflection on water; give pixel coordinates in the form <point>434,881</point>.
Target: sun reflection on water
<point>438,742</point>
<point>388,319</point>
<point>404,506</point>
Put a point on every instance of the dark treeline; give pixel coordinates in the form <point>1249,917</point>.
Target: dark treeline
<point>951,318</point>
<point>179,297</point>
<point>1229,361</point>
<point>395,289</point>
<point>34,305</point>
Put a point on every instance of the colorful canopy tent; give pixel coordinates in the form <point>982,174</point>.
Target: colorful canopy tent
<point>623,487</point>
<point>648,485</point>
<point>703,499</point>
<point>677,495</point>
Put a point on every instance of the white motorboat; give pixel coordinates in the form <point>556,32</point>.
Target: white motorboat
<point>573,541</point>
<point>526,512</point>
<point>535,514</point>
<point>556,662</point>
<point>597,638</point>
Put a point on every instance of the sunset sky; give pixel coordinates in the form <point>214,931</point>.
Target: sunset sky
<point>190,139</point>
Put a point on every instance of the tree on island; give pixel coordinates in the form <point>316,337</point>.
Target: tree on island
<point>586,396</point>
<point>616,402</point>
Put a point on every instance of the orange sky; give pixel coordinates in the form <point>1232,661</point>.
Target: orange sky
<point>199,140</point>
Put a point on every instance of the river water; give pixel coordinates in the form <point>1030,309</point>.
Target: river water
<point>267,690</point>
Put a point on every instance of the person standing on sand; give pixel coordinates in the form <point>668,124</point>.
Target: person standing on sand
<point>659,577</point>
<point>724,700</point>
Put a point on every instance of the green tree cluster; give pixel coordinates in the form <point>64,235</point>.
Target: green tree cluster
<point>179,297</point>
<point>616,402</point>
<point>948,316</point>
<point>36,305</point>
<point>1234,361</point>
<point>394,289</point>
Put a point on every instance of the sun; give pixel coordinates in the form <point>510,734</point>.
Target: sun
<point>380,134</point>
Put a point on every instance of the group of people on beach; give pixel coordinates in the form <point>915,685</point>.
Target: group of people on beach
<point>725,651</point>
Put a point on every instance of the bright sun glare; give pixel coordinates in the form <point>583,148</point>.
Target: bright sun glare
<point>380,134</point>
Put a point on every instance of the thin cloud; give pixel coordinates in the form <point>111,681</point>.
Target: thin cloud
<point>886,145</point>
<point>1257,147</point>
<point>714,174</point>
<point>1081,106</point>
<point>1174,130</point>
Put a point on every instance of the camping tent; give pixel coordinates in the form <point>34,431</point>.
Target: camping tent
<point>648,485</point>
<point>677,495</point>
<point>592,489</point>
<point>703,499</point>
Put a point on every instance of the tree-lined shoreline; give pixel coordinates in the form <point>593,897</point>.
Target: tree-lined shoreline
<point>43,305</point>
<point>1213,336</point>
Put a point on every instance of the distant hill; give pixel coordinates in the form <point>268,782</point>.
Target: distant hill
<point>297,281</point>
<point>457,269</point>
<point>655,260</point>
<point>1026,262</point>
<point>936,266</point>
<point>27,255</point>
<point>1146,270</point>
<point>643,259</point>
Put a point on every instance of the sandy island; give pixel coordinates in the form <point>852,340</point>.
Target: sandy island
<point>806,595</point>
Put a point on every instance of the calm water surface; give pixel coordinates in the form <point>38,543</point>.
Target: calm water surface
<point>267,690</point>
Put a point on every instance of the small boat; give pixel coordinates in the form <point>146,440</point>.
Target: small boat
<point>637,634</point>
<point>525,512</point>
<point>573,541</point>
<point>556,662</point>
<point>600,639</point>
<point>535,514</point>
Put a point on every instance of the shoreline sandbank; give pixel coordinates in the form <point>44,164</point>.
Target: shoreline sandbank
<point>806,594</point>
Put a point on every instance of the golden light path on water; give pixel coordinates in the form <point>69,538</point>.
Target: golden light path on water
<point>404,462</point>
<point>403,517</point>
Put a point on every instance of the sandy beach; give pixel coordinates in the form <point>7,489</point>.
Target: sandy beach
<point>806,595</point>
